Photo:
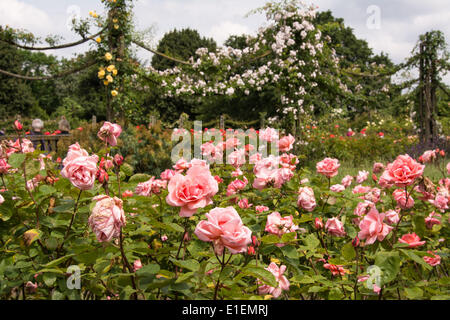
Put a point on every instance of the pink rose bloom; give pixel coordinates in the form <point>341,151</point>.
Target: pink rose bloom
<point>335,227</point>
<point>373,228</point>
<point>27,146</point>
<point>289,161</point>
<point>74,151</point>
<point>207,149</point>
<point>231,143</point>
<point>318,223</point>
<point>337,188</point>
<point>31,287</point>
<point>224,228</point>
<point>192,191</point>
<point>412,239</point>
<point>237,158</point>
<point>181,165</point>
<point>384,182</point>
<point>328,167</point>
<point>151,186</point>
<point>280,225</point>
<point>306,199</point>
<point>347,181</point>
<point>304,181</point>
<point>442,199</point>
<point>362,208</point>
<point>335,269</point>
<point>266,171</point>
<point>236,185</point>
<point>286,143</point>
<point>432,219</point>
<point>260,209</point>
<point>127,193</point>
<point>81,171</point>
<point>254,158</point>
<point>391,217</point>
<point>4,166</point>
<point>137,264</point>
<point>283,282</point>
<point>377,167</point>
<point>432,261</point>
<point>218,179</point>
<point>243,204</point>
<point>403,171</point>
<point>269,135</point>
<point>361,189</point>
<point>198,162</point>
<point>362,176</point>
<point>425,195</point>
<point>164,238</point>
<point>107,218</point>
<point>109,133</point>
<point>373,195</point>
<point>167,174</point>
<point>428,156</point>
<point>236,173</point>
<point>404,201</point>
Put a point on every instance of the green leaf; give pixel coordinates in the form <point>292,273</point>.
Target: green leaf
<point>49,279</point>
<point>348,252</point>
<point>288,237</point>
<point>127,169</point>
<point>335,294</point>
<point>270,239</point>
<point>389,263</point>
<point>45,190</point>
<point>261,274</point>
<point>290,252</point>
<point>16,159</point>
<point>148,269</point>
<point>413,293</point>
<point>190,264</point>
<point>140,177</point>
<point>57,295</point>
<point>410,254</point>
<point>185,276</point>
<point>56,262</point>
<point>311,242</point>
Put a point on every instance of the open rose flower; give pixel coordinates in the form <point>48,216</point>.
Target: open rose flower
<point>4,166</point>
<point>335,269</point>
<point>432,219</point>
<point>404,201</point>
<point>286,143</point>
<point>362,176</point>
<point>335,227</point>
<point>391,217</point>
<point>224,228</point>
<point>328,167</point>
<point>432,261</point>
<point>347,181</point>
<point>280,225</point>
<point>192,191</point>
<point>306,199</point>
<point>373,228</point>
<point>107,217</point>
<point>109,133</point>
<point>403,171</point>
<point>283,282</point>
<point>337,188</point>
<point>81,171</point>
<point>269,134</point>
<point>412,239</point>
<point>377,167</point>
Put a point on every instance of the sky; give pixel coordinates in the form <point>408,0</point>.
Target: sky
<point>389,26</point>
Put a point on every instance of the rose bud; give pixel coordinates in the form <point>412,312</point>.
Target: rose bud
<point>118,160</point>
<point>255,241</point>
<point>251,250</point>
<point>355,242</point>
<point>17,125</point>
<point>374,177</point>
<point>102,176</point>
<point>318,224</point>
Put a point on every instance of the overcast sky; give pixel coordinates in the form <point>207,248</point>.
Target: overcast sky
<point>400,24</point>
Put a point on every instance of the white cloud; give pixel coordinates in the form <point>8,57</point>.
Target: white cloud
<point>21,15</point>
<point>222,31</point>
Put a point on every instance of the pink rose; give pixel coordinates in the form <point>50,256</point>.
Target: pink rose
<point>283,282</point>
<point>107,217</point>
<point>432,219</point>
<point>192,191</point>
<point>335,227</point>
<point>412,239</point>
<point>109,133</point>
<point>243,204</point>
<point>4,166</point>
<point>335,269</point>
<point>391,217</point>
<point>404,201</point>
<point>373,228</point>
<point>306,199</point>
<point>318,223</point>
<point>362,208</point>
<point>362,176</point>
<point>328,167</point>
<point>428,156</point>
<point>361,189</point>
<point>237,158</point>
<point>81,171</point>
<point>181,165</point>
<point>373,195</point>
<point>280,225</point>
<point>289,161</point>
<point>377,167</point>
<point>137,264</point>
<point>225,229</point>
<point>254,158</point>
<point>286,143</point>
<point>167,174</point>
<point>236,185</point>
<point>1,199</point>
<point>269,135</point>
<point>151,186</point>
<point>403,171</point>
<point>337,188</point>
<point>260,209</point>
<point>74,151</point>
<point>432,261</point>
<point>347,181</point>
<point>442,199</point>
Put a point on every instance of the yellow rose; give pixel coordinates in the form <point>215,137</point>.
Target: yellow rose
<point>109,78</point>
<point>105,82</point>
<point>98,39</point>
<point>110,68</point>
<point>101,74</point>
<point>157,244</point>
<point>116,26</point>
<point>115,20</point>
<point>114,72</point>
<point>108,56</point>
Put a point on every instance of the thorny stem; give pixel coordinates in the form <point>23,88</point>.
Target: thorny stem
<point>71,222</point>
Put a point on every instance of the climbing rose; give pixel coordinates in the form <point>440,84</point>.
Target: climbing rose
<point>107,217</point>
<point>225,229</point>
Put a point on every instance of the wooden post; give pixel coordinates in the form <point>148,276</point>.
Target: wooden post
<point>222,122</point>
<point>94,120</point>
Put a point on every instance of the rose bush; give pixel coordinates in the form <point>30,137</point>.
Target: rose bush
<point>269,229</point>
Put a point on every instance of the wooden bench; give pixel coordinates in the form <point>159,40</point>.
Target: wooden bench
<point>50,142</point>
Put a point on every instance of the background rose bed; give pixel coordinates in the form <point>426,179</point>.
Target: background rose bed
<point>273,229</point>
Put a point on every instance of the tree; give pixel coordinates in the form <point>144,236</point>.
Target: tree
<point>180,44</point>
